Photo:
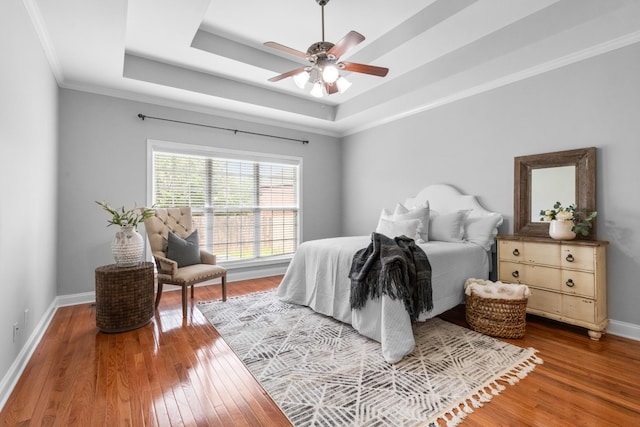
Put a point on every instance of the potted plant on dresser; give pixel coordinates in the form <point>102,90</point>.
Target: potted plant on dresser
<point>566,223</point>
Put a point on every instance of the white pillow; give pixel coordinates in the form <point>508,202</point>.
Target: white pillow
<point>447,227</point>
<point>400,209</point>
<point>391,228</point>
<point>419,212</point>
<point>482,230</point>
<point>385,214</point>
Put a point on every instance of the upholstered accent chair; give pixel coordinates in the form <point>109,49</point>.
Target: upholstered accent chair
<point>174,271</point>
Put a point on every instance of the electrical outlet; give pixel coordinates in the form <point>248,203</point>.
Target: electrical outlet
<point>26,319</point>
<point>15,331</point>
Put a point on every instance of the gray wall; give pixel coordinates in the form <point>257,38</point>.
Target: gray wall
<point>28,149</point>
<point>471,145</point>
<point>103,156</point>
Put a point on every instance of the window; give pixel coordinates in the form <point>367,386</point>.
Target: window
<point>245,206</point>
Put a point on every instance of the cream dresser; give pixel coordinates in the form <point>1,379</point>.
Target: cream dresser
<point>568,279</point>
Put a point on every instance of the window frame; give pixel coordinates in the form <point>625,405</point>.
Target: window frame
<point>179,148</point>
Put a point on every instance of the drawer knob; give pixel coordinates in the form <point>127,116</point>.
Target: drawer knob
<point>516,252</point>
<point>570,283</point>
<point>515,274</point>
<point>570,258</point>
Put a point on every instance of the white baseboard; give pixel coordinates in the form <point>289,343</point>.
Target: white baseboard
<point>75,299</point>
<point>266,271</point>
<point>12,376</point>
<point>624,329</point>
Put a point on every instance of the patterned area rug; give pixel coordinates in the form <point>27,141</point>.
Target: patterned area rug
<point>321,372</point>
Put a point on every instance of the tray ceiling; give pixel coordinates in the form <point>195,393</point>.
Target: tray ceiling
<point>207,55</point>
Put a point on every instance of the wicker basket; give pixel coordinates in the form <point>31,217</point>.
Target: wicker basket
<point>124,297</point>
<point>497,317</point>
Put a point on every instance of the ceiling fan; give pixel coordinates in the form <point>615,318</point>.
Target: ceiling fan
<point>324,56</point>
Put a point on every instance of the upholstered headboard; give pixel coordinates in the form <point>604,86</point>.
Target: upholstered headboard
<point>445,198</point>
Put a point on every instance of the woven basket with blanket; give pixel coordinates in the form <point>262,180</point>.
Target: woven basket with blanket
<point>495,308</point>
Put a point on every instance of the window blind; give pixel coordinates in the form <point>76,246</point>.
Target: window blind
<point>243,208</point>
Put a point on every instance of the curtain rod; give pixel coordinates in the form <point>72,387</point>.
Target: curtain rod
<point>235,131</point>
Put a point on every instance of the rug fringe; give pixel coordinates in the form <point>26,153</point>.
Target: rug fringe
<point>454,418</point>
<point>523,369</point>
<point>478,398</point>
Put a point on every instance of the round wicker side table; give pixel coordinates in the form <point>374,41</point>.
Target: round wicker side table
<point>124,297</point>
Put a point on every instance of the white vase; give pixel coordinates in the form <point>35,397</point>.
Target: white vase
<point>127,246</point>
<point>561,230</point>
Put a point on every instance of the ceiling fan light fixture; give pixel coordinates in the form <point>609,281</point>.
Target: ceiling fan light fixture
<point>324,56</point>
<point>301,79</point>
<point>330,73</point>
<point>317,89</point>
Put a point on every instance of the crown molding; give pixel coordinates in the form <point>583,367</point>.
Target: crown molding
<point>45,40</point>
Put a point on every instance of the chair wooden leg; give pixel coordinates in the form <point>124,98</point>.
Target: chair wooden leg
<point>158,294</point>
<point>224,287</point>
<point>191,291</point>
<point>184,302</point>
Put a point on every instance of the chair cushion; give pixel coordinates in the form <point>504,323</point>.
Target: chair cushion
<point>196,273</point>
<point>183,251</point>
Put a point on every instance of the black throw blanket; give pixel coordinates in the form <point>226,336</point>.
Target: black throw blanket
<point>395,267</point>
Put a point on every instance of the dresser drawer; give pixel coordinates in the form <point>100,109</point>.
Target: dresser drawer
<point>531,253</point>
<point>581,258</point>
<point>578,283</point>
<point>565,281</point>
<point>511,272</point>
<point>510,250</point>
<point>563,256</point>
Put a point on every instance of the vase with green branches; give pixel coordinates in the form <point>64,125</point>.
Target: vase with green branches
<point>128,245</point>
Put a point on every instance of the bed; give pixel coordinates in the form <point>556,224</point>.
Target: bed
<point>457,241</point>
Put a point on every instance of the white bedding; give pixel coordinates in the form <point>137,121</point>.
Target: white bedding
<point>318,277</point>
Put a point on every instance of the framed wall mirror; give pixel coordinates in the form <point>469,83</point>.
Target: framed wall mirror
<point>540,180</point>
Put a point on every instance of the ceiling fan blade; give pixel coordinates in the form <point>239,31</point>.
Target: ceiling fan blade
<point>287,74</point>
<point>353,38</point>
<point>286,49</point>
<point>365,69</point>
<point>331,88</point>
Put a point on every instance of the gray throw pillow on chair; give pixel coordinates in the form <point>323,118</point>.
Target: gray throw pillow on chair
<point>183,251</point>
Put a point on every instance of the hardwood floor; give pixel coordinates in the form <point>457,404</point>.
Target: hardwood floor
<point>174,372</point>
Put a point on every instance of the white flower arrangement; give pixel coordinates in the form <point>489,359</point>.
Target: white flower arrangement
<point>580,217</point>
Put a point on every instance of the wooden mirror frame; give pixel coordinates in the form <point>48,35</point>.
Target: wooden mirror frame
<point>583,159</point>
